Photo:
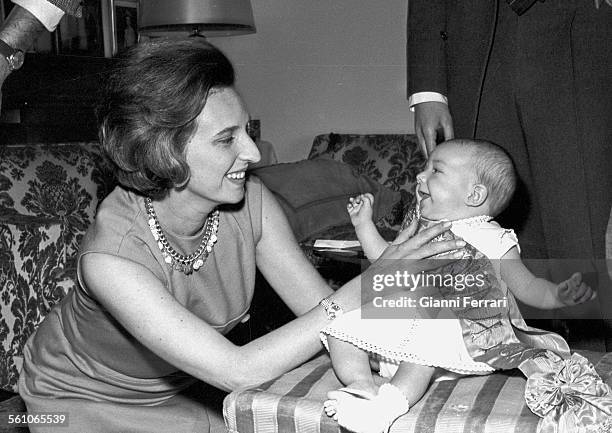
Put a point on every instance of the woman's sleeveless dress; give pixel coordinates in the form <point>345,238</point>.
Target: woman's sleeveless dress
<point>83,362</point>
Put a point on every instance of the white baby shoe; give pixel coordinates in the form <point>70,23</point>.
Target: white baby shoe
<point>361,412</point>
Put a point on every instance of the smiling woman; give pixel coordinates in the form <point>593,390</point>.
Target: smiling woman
<point>168,267</point>
<point>219,152</point>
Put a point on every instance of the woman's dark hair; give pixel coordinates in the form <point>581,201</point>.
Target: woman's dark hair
<point>149,109</point>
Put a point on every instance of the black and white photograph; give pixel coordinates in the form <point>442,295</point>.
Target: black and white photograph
<point>288,216</point>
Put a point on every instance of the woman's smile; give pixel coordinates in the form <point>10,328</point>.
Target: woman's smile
<point>220,150</point>
<point>238,177</point>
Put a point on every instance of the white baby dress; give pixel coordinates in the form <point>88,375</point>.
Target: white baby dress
<point>432,342</point>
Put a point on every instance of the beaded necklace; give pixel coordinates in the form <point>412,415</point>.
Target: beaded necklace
<point>177,261</point>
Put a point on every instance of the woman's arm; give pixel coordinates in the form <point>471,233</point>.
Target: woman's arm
<point>282,262</point>
<point>147,311</point>
<point>193,346</point>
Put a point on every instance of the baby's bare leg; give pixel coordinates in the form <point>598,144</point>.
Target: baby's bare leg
<point>412,380</point>
<point>351,365</point>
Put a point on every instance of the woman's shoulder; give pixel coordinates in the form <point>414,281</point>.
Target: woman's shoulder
<point>119,220</point>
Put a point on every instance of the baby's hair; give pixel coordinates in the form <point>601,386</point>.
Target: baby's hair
<point>494,169</point>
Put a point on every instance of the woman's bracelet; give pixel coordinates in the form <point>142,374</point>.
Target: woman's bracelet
<point>332,309</point>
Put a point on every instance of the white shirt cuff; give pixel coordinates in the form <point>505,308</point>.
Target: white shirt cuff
<point>48,14</point>
<point>420,97</point>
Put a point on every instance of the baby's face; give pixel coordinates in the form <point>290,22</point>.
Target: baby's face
<point>446,183</point>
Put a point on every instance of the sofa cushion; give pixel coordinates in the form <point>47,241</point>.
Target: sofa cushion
<point>48,197</point>
<point>393,160</point>
<point>314,194</point>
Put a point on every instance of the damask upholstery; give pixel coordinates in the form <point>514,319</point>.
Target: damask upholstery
<point>393,160</point>
<point>48,197</point>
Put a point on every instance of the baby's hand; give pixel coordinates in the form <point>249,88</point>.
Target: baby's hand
<point>574,291</point>
<point>360,209</point>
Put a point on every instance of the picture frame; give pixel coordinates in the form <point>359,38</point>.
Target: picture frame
<point>124,24</point>
<point>83,36</point>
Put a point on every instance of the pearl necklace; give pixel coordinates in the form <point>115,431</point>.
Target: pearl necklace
<point>177,261</point>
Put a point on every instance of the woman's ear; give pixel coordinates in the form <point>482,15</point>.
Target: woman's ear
<point>478,195</point>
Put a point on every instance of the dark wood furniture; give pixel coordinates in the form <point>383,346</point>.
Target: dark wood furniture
<point>52,99</point>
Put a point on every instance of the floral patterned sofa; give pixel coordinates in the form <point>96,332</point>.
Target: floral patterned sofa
<point>393,160</point>
<point>48,197</point>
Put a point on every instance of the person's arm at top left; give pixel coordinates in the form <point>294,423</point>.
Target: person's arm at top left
<point>28,20</point>
<point>539,292</point>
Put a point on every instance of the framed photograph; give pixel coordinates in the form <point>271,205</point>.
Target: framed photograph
<point>82,36</point>
<point>124,19</point>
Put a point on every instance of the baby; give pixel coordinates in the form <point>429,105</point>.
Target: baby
<point>467,182</point>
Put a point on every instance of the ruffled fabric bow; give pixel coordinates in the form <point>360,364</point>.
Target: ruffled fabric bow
<point>568,394</point>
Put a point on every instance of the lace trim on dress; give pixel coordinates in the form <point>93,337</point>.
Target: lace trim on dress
<point>396,356</point>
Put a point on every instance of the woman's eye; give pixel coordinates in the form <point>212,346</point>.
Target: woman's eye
<point>435,170</point>
<point>227,140</point>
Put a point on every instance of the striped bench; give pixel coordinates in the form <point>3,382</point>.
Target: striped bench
<point>476,404</point>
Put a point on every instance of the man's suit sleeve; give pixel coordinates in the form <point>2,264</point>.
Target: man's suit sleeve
<point>425,48</point>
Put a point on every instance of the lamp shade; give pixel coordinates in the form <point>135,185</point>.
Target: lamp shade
<point>206,17</point>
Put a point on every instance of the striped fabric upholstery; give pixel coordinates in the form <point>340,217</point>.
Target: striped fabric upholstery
<point>477,404</point>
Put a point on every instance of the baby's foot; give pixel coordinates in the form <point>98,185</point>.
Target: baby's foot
<point>363,415</point>
<point>361,389</point>
<point>347,406</point>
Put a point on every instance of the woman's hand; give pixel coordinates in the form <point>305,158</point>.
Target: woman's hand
<point>409,255</point>
<point>420,247</point>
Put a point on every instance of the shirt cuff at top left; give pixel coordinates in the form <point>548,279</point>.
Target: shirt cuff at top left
<point>48,14</point>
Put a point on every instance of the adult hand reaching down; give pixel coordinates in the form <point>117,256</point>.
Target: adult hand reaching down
<point>429,117</point>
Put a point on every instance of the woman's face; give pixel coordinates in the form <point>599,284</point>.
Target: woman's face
<point>220,150</point>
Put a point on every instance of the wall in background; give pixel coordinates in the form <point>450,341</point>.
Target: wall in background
<point>319,66</point>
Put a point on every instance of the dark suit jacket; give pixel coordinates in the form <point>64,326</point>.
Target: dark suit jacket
<point>447,47</point>
<point>565,97</point>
